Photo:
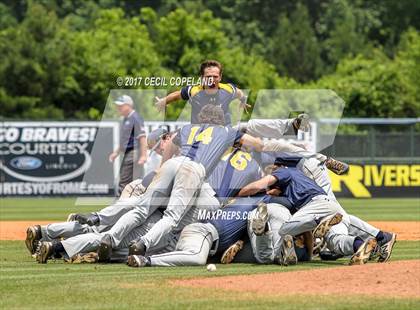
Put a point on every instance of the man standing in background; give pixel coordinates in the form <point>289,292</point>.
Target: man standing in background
<point>132,143</point>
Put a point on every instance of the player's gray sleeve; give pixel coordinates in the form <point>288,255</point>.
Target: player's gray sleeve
<point>65,230</point>
<point>207,198</point>
<point>187,182</point>
<point>155,196</point>
<point>192,249</point>
<point>308,217</point>
<point>266,246</point>
<point>317,171</point>
<point>282,145</point>
<point>269,128</point>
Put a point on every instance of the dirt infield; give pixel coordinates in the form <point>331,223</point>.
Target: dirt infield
<point>405,230</point>
<point>394,280</point>
<point>16,230</point>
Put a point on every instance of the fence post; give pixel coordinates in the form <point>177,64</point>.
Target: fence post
<point>372,138</point>
<point>412,140</point>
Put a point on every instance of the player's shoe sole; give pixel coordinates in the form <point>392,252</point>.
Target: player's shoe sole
<point>44,252</point>
<point>105,249</point>
<point>288,252</point>
<point>260,219</point>
<point>84,258</point>
<point>363,253</point>
<point>33,235</point>
<point>229,255</point>
<point>325,225</point>
<point>136,261</point>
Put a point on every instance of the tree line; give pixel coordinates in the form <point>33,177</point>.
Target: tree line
<point>59,59</point>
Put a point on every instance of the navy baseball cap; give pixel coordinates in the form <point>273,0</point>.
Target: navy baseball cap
<point>154,138</point>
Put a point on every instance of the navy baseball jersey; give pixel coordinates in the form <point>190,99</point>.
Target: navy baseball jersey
<point>132,128</point>
<point>236,169</point>
<point>296,187</point>
<point>198,98</point>
<point>206,143</point>
<point>231,224</point>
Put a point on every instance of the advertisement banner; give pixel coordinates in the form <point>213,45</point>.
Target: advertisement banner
<point>378,180</point>
<point>51,158</point>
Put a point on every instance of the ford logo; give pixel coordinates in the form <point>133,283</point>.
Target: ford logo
<point>26,163</point>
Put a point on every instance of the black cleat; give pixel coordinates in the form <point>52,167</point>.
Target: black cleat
<point>105,249</point>
<point>33,235</point>
<point>44,251</point>
<point>89,219</point>
<point>137,248</point>
<point>330,256</point>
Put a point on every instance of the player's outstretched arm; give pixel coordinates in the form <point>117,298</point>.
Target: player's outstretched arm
<point>250,141</point>
<point>257,186</point>
<point>161,103</point>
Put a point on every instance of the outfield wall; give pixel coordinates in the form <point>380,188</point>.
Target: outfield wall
<point>71,158</point>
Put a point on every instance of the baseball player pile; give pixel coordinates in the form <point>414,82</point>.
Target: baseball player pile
<point>220,189</point>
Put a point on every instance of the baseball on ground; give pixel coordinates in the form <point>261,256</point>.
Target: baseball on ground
<point>211,267</point>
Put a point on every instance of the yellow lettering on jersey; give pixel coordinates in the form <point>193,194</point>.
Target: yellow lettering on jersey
<point>192,134</point>
<point>204,137</point>
<point>240,160</point>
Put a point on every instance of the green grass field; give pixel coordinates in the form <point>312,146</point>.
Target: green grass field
<point>26,284</point>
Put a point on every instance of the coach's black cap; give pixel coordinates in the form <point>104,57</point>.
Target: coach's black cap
<point>154,137</point>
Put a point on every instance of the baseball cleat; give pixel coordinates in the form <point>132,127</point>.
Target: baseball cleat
<point>363,253</point>
<point>385,247</point>
<point>260,219</point>
<point>329,256</point>
<point>287,252</point>
<point>44,251</point>
<point>84,258</point>
<point>325,225</point>
<point>105,249</point>
<point>301,122</point>
<point>336,166</point>
<point>137,261</point>
<point>89,219</point>
<point>229,255</point>
<point>33,235</point>
<point>137,248</point>
<point>71,217</point>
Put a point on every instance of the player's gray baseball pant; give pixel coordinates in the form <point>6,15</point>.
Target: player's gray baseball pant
<point>196,242</point>
<point>155,196</point>
<point>340,241</point>
<point>270,128</point>
<point>317,171</point>
<point>266,246</point>
<point>187,183</point>
<point>67,230</point>
<point>89,242</point>
<point>308,217</point>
